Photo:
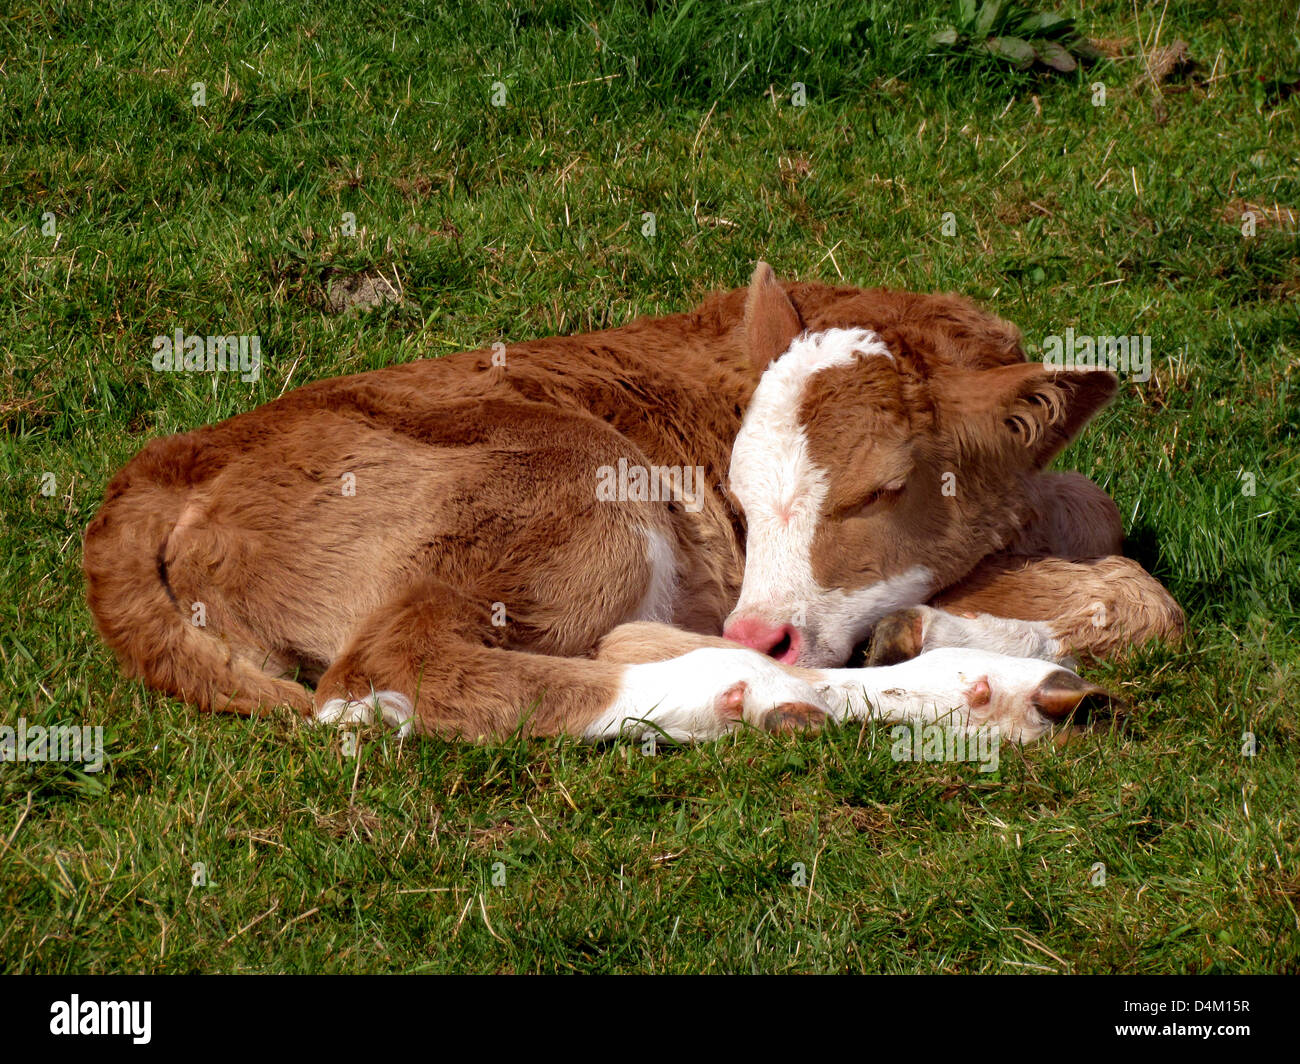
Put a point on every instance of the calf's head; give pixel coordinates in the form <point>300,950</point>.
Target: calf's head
<point>872,475</point>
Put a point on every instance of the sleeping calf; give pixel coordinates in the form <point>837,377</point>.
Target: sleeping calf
<point>447,543</point>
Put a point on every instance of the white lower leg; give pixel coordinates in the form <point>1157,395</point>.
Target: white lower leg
<point>702,695</point>
<point>392,707</point>
<point>955,686</point>
<point>1000,635</point>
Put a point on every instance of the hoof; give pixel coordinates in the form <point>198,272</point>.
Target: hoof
<point>897,637</point>
<point>793,717</point>
<point>1063,693</point>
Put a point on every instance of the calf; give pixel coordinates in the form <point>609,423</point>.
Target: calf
<point>553,541</point>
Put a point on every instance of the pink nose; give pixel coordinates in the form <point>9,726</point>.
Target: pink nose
<point>780,641</point>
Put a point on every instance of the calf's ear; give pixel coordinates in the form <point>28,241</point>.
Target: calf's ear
<point>771,322</point>
<point>1025,407</point>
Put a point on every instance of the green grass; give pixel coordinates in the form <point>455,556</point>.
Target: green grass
<point>522,221</point>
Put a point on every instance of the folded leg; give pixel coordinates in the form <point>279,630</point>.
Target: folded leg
<point>432,663</point>
<point>1023,697</point>
<point>1052,608</point>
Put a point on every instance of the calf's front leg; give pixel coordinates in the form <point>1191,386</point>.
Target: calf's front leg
<point>1023,697</point>
<point>1045,607</point>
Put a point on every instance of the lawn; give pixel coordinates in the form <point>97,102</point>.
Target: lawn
<point>238,169</point>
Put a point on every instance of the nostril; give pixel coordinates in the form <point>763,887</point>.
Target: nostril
<point>786,649</point>
<point>778,641</point>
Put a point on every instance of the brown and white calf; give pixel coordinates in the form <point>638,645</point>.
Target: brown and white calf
<point>473,545</point>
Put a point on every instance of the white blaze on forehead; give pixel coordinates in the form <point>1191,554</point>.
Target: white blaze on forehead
<point>770,464</point>
<point>782,491</point>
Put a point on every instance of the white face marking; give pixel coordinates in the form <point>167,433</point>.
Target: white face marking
<point>661,591</point>
<point>782,490</point>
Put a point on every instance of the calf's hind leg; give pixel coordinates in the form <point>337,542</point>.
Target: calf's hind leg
<point>432,663</point>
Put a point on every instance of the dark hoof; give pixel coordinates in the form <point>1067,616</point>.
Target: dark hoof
<point>1064,693</point>
<point>794,716</point>
<point>897,637</point>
